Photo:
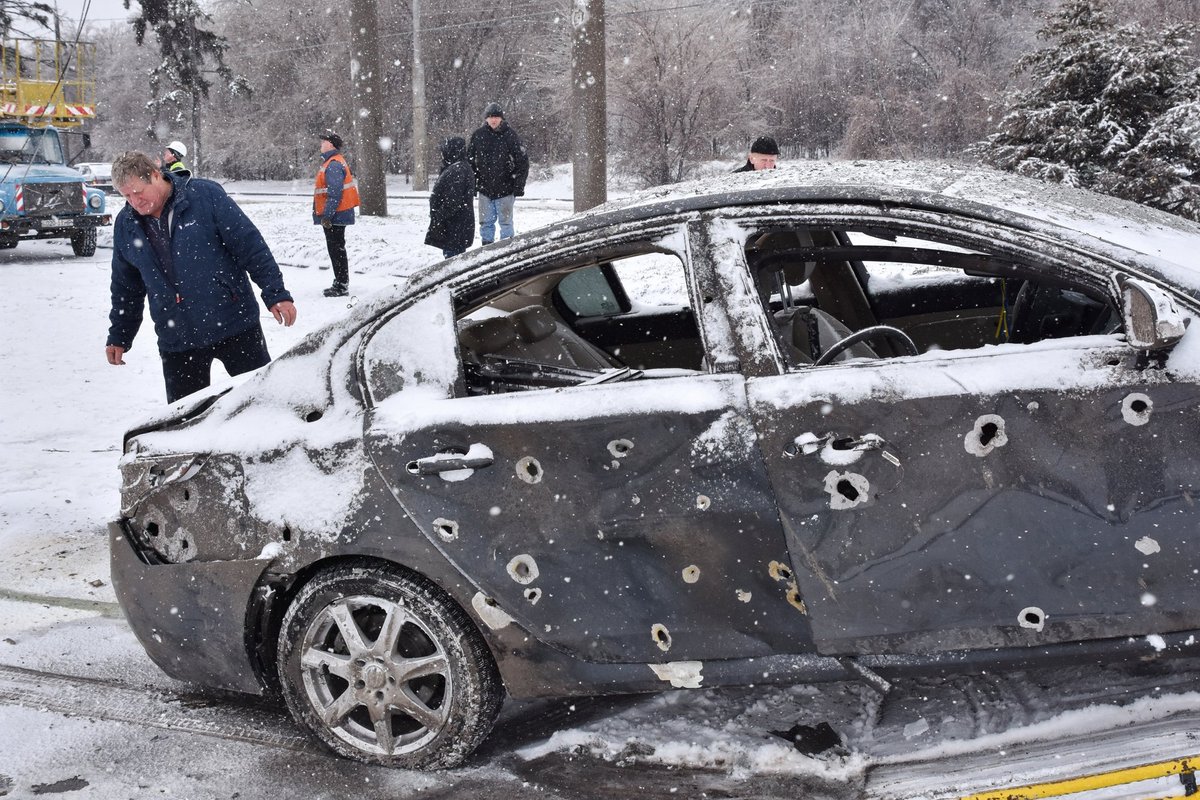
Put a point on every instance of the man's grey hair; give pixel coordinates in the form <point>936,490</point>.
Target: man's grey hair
<point>132,164</point>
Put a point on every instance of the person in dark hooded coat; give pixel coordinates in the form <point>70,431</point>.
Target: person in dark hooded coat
<point>451,203</point>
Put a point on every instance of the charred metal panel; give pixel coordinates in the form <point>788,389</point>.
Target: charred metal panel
<point>190,618</point>
<point>994,518</point>
<point>633,519</point>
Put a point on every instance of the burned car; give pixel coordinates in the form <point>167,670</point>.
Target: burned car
<point>848,421</point>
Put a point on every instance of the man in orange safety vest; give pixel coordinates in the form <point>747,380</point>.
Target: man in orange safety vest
<point>334,201</point>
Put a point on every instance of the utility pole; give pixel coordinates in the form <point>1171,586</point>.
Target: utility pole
<point>589,124</point>
<point>368,104</point>
<point>420,161</point>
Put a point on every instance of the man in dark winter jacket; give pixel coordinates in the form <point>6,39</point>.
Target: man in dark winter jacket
<point>501,167</point>
<point>451,212</point>
<point>184,245</point>
<point>763,155</point>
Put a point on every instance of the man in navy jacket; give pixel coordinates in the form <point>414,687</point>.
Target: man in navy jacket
<point>182,243</point>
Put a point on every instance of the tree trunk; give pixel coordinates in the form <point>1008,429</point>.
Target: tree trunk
<point>419,150</point>
<point>590,135</point>
<point>368,107</point>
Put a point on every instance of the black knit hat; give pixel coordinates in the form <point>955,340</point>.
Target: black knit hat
<point>493,110</point>
<point>333,139</point>
<point>765,145</point>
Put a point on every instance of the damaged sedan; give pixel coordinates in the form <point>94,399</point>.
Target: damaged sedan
<point>851,421</point>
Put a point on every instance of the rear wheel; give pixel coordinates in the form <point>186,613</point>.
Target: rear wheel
<point>385,668</point>
<point>83,242</point>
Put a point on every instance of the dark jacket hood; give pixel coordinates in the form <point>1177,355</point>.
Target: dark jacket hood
<point>453,149</point>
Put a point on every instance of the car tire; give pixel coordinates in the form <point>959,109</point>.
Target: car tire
<point>425,701</point>
<point>83,242</point>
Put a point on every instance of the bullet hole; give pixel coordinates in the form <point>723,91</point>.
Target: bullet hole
<point>1032,617</point>
<point>187,495</point>
<point>312,416</point>
<point>446,529</point>
<point>529,470</point>
<point>620,447</point>
<point>1136,408</point>
<point>988,434</point>
<point>492,615</point>
<point>523,569</point>
<point>661,637</point>
<point>846,490</point>
<point>184,545</point>
<point>691,574</point>
<point>152,528</point>
<point>793,597</point>
<point>703,502</point>
<point>744,596</point>
<point>287,533</point>
<point>533,595</point>
<point>779,571</point>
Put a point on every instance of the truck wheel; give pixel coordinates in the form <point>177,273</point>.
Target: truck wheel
<point>385,668</point>
<point>83,242</point>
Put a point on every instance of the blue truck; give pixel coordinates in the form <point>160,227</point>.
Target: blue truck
<point>45,92</point>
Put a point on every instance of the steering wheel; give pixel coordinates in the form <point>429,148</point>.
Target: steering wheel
<point>895,334</point>
<point>1024,313</point>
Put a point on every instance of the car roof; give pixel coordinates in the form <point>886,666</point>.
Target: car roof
<point>1160,243</point>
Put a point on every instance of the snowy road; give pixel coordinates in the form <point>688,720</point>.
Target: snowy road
<point>84,713</point>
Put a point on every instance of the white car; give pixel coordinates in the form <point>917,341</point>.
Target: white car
<point>97,174</point>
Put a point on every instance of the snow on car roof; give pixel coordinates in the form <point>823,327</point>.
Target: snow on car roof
<point>1163,243</point>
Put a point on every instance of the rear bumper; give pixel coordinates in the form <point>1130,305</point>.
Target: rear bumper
<point>191,618</point>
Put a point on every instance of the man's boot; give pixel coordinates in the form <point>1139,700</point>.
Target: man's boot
<point>337,290</point>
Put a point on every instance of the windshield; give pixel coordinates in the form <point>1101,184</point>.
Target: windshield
<point>30,146</point>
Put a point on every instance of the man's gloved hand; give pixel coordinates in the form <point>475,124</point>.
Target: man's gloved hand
<point>326,224</point>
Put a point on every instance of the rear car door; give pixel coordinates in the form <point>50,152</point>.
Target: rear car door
<point>629,521</point>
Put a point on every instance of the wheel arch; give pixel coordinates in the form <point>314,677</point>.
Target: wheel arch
<point>276,592</point>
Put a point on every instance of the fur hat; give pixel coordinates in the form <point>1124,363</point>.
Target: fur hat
<point>765,145</point>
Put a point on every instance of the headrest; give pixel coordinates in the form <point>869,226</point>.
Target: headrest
<point>534,323</point>
<point>487,335</point>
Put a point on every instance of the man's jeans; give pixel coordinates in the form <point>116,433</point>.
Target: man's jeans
<point>489,209</point>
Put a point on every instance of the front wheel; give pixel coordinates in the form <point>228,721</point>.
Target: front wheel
<point>83,242</point>
<point>385,668</point>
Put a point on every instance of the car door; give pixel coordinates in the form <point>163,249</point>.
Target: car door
<point>989,497</point>
<point>628,522</point>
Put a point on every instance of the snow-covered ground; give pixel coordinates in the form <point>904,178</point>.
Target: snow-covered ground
<point>63,411</point>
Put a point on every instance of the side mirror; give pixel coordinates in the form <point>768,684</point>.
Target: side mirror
<point>1152,320</point>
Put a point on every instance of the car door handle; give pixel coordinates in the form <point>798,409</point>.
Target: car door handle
<point>447,462</point>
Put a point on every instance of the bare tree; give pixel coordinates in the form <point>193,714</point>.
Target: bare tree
<point>673,84</point>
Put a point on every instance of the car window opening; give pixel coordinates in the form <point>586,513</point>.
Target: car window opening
<point>837,295</point>
<point>627,317</point>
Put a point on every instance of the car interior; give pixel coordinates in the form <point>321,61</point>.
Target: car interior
<point>621,313</point>
<point>833,295</point>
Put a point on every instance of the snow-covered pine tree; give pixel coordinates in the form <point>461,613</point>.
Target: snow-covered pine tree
<point>1111,108</point>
